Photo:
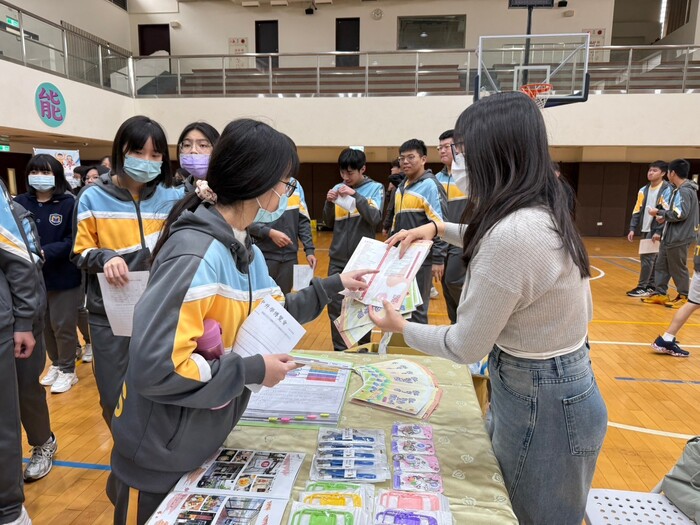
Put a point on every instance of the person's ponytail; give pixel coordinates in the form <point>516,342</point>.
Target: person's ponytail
<point>190,202</point>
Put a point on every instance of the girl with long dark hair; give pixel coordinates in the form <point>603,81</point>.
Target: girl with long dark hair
<point>177,406</point>
<point>526,302</point>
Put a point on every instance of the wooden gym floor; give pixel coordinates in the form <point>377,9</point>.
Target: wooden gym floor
<point>652,399</point>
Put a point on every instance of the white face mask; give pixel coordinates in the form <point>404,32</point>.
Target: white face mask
<point>459,173</point>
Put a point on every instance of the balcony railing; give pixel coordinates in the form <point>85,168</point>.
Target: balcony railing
<point>38,43</point>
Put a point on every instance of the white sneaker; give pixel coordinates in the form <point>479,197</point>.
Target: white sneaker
<point>50,377</point>
<point>87,355</point>
<point>41,461</point>
<point>64,382</point>
<point>23,519</point>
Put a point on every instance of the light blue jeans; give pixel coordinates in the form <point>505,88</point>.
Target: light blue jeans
<point>547,428</point>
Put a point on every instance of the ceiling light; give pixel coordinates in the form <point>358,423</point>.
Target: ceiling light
<point>250,3</point>
<point>279,3</point>
<point>424,35</point>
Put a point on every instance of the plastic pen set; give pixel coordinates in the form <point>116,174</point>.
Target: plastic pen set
<point>350,454</point>
<point>334,503</point>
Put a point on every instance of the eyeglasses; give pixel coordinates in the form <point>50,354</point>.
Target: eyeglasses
<point>408,158</point>
<point>457,148</point>
<point>444,147</point>
<point>186,146</point>
<point>291,187</point>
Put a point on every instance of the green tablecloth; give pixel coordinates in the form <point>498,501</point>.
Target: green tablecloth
<point>471,476</point>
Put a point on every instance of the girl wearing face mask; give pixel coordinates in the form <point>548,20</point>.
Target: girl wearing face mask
<point>205,268</point>
<point>194,149</point>
<point>49,199</point>
<point>118,220</point>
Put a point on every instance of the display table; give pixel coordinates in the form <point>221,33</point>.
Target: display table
<point>471,476</point>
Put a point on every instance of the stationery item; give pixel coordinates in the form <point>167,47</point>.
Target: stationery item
<point>395,275</point>
<point>245,473</point>
<point>347,453</point>
<point>303,273</point>
<point>416,463</point>
<point>312,395</point>
<point>648,246</point>
<point>412,430</point>
<point>399,386</point>
<point>119,302</point>
<point>195,508</point>
<point>352,435</point>
<point>412,517</point>
<point>412,500</point>
<point>369,475</point>
<point>422,482</point>
<point>331,499</point>
<point>322,486</point>
<point>412,446</point>
<point>341,494</point>
<point>302,514</point>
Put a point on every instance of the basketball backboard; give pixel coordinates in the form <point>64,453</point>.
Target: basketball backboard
<point>508,62</point>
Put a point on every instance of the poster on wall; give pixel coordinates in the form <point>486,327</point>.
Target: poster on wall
<point>597,36</point>
<point>70,158</point>
<point>238,45</point>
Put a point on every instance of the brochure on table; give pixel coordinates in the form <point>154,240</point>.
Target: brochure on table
<point>312,395</point>
<point>242,487</point>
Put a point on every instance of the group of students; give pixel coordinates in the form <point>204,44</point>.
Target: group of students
<point>667,213</point>
<point>525,299</point>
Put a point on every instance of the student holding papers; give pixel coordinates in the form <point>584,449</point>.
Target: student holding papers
<point>177,406</point>
<point>526,302</point>
<point>354,210</point>
<point>117,222</point>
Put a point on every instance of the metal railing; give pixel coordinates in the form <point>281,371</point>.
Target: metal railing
<point>38,43</point>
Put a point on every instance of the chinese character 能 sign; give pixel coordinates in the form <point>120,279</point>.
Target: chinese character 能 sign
<point>50,105</point>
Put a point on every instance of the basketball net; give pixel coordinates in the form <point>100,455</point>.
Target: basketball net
<point>539,93</point>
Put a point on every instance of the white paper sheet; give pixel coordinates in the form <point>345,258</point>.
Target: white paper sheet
<point>269,329</point>
<point>119,302</point>
<point>347,202</point>
<point>648,246</point>
<point>303,273</point>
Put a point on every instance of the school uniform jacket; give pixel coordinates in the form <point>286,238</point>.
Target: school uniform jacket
<point>22,294</point>
<point>350,227</point>
<point>456,203</point>
<point>163,425</point>
<point>54,222</point>
<point>109,223</point>
<point>415,204</point>
<point>681,214</point>
<point>641,205</point>
<point>294,222</point>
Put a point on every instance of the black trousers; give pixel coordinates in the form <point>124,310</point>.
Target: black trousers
<point>131,506</point>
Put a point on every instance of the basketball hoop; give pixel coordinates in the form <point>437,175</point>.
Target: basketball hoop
<point>539,93</point>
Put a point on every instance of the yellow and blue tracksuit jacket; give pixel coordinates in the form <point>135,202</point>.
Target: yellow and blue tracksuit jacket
<point>681,214</point>
<point>294,222</point>
<point>109,223</point>
<point>456,200</point>
<point>640,207</point>
<point>22,293</point>
<point>350,227</point>
<point>164,424</point>
<point>419,202</point>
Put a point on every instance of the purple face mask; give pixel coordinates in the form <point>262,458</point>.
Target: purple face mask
<point>196,164</point>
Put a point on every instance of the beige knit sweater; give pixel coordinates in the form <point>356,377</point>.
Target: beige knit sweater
<point>522,292</point>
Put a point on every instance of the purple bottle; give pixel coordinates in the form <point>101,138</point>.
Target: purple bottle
<point>210,345</point>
